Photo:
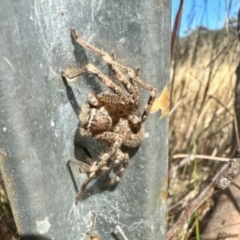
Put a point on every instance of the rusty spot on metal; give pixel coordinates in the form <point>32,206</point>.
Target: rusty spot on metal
<point>163,194</point>
<point>94,237</point>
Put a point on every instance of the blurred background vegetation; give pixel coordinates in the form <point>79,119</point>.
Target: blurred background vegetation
<point>205,55</point>
<point>202,132</point>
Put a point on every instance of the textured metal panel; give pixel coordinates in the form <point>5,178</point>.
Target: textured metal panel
<point>39,123</point>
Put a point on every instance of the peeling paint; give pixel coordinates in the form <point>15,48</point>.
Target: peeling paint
<point>163,194</point>
<point>43,226</point>
<point>52,123</point>
<point>4,129</point>
<point>162,103</point>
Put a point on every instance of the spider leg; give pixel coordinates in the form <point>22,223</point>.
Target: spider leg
<point>153,92</point>
<point>149,105</point>
<point>119,168</point>
<point>91,175</point>
<point>105,80</point>
<point>103,165</point>
<point>83,167</point>
<point>113,141</point>
<point>134,120</point>
<point>134,79</point>
<point>118,69</point>
<point>110,60</point>
<point>135,87</point>
<point>83,188</point>
<point>107,138</point>
<point>137,78</point>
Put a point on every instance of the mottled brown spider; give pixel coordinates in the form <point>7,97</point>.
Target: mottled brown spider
<point>109,116</point>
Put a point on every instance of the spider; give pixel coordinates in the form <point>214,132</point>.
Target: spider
<point>109,116</point>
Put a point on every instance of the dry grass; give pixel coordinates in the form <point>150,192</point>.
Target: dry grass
<point>205,88</point>
<point>7,225</point>
<point>201,121</point>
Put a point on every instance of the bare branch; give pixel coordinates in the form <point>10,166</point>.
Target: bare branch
<point>221,180</point>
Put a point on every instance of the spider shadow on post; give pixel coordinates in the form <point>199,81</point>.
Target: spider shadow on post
<point>108,117</point>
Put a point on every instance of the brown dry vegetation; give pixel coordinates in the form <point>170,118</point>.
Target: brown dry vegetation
<point>204,82</point>
<point>201,121</point>
<point>7,225</point>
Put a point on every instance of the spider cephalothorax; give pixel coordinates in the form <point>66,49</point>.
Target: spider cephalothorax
<point>109,117</point>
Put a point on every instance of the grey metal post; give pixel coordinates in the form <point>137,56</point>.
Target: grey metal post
<point>39,123</point>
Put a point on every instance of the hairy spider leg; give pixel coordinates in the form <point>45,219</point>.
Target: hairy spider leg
<point>137,79</point>
<point>83,167</point>
<point>135,87</point>
<point>134,80</point>
<point>148,106</point>
<point>102,166</point>
<point>129,77</point>
<point>137,73</point>
<point>105,80</point>
<point>110,60</point>
<point>136,121</point>
<point>117,68</point>
<point>83,188</point>
<point>107,138</point>
<point>120,164</point>
<point>91,175</point>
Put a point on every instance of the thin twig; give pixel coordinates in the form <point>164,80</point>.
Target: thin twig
<point>193,156</point>
<point>221,180</point>
<point>199,79</point>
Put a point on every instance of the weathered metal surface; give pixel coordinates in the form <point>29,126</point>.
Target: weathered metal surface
<point>39,123</point>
